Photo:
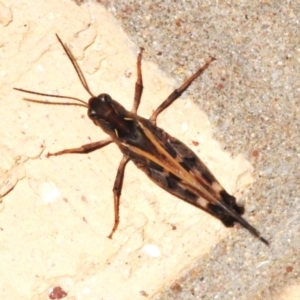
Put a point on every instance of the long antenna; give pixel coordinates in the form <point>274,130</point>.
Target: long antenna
<point>76,66</point>
<point>83,103</point>
<point>80,76</point>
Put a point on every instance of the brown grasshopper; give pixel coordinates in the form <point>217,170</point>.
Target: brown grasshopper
<point>166,161</point>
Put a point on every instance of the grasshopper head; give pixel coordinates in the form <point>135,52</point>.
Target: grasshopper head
<point>109,115</point>
<point>101,108</point>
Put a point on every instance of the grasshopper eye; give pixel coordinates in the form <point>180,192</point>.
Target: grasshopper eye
<point>104,98</point>
<point>94,104</point>
<point>92,114</point>
<point>99,101</point>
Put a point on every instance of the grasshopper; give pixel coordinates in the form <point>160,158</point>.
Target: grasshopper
<point>164,159</point>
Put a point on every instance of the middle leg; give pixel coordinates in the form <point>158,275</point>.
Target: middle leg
<point>139,83</point>
<point>177,92</point>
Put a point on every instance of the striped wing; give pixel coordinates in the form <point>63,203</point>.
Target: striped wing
<point>176,168</point>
